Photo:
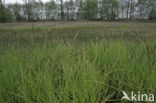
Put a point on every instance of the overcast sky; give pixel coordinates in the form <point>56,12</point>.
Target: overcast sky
<point>19,1</point>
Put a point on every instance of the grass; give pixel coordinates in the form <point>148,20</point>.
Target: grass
<point>76,64</point>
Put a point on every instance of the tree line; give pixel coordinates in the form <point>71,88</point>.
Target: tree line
<point>32,10</point>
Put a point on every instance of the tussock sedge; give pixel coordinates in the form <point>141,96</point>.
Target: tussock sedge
<point>44,67</point>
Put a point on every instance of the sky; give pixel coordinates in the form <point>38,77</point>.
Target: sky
<point>19,1</point>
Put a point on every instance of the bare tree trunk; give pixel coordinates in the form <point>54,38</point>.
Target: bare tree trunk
<point>128,7</point>
<point>130,11</point>
<point>2,12</point>
<point>1,3</point>
<point>62,10</point>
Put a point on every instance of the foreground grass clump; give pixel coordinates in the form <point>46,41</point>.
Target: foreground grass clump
<point>58,72</point>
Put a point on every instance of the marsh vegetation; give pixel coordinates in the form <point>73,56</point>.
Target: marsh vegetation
<point>76,62</point>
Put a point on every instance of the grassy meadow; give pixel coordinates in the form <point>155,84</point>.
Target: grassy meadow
<point>76,62</point>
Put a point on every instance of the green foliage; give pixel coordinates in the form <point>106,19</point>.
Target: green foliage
<point>38,6</point>
<point>91,9</point>
<point>109,9</point>
<point>56,67</point>
<point>70,8</point>
<point>51,10</point>
<point>152,14</point>
<point>16,10</point>
<point>33,10</point>
<point>5,15</point>
<point>29,9</point>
